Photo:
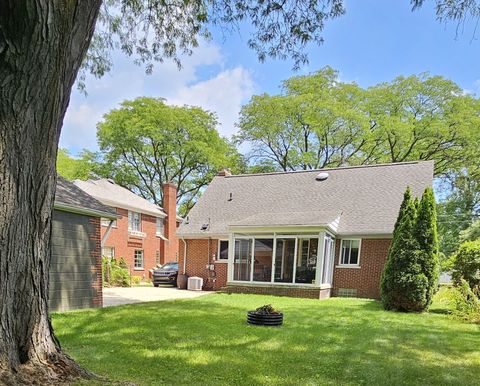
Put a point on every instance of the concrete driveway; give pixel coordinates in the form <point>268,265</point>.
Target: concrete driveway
<point>117,295</point>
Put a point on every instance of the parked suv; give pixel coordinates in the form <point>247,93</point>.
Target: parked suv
<point>166,274</point>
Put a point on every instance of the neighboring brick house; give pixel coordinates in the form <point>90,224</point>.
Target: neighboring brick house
<point>311,233</point>
<point>75,274</point>
<point>145,234</point>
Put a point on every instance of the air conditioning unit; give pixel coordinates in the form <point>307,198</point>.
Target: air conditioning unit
<point>195,283</point>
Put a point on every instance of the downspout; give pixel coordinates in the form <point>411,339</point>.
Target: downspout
<point>105,236</point>
<point>184,255</point>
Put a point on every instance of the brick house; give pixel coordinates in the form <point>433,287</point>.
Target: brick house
<point>145,233</point>
<point>311,233</point>
<point>75,275</point>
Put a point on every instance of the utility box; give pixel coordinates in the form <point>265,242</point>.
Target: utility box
<point>195,283</point>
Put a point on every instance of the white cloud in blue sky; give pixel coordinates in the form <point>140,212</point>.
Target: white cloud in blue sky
<point>204,81</point>
<point>374,42</point>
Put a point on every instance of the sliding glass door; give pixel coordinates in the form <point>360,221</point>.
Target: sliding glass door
<point>262,263</point>
<point>306,264</point>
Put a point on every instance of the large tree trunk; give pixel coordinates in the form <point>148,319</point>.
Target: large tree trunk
<point>42,44</point>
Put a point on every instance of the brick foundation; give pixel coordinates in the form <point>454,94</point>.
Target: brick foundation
<point>291,291</point>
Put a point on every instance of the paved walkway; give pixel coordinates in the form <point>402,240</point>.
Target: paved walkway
<point>117,295</point>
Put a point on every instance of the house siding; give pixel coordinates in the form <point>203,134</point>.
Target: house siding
<point>76,266</point>
<point>126,244</point>
<point>366,279</point>
<point>200,253</point>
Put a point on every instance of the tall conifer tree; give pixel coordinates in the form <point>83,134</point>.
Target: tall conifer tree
<point>404,286</point>
<point>427,239</point>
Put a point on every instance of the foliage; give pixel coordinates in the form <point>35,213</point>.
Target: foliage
<point>319,121</point>
<point>404,286</point>
<point>115,273</point>
<point>467,302</point>
<point>267,309</point>
<point>135,280</point>
<point>153,31</point>
<point>74,168</point>
<point>465,264</point>
<point>471,233</point>
<point>207,343</point>
<point>460,208</point>
<point>425,232</point>
<point>146,143</point>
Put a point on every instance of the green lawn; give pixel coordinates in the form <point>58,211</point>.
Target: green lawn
<point>205,341</point>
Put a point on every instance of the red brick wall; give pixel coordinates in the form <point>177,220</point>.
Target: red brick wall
<point>125,244</point>
<point>200,253</point>
<point>97,268</point>
<point>366,279</point>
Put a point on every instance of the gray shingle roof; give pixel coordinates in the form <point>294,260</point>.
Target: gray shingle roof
<point>115,195</point>
<point>364,200</point>
<point>70,197</point>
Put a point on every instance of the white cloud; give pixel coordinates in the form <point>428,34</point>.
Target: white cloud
<point>222,94</point>
<point>203,81</point>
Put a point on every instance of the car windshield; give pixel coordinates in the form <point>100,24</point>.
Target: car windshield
<point>170,266</point>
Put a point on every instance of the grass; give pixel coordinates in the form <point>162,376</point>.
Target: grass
<point>205,341</point>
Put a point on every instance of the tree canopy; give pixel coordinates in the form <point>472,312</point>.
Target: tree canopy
<point>319,121</point>
<point>145,143</point>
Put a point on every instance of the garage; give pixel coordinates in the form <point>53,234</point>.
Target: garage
<point>76,262</point>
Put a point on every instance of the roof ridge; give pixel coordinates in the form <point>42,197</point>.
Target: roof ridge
<point>336,168</point>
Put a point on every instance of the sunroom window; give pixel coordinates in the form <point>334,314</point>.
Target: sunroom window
<point>349,253</point>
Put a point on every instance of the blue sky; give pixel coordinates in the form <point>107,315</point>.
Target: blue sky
<point>374,42</point>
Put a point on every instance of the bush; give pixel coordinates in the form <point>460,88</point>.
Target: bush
<point>465,265</point>
<point>115,274</point>
<point>404,287</point>
<point>136,280</point>
<point>425,233</point>
<point>467,303</point>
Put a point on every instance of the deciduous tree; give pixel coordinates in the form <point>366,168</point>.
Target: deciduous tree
<point>146,143</point>
<point>43,44</point>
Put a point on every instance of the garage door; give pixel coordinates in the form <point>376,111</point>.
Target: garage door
<point>72,265</point>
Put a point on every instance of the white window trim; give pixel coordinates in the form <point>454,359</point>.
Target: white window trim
<point>130,229</point>
<point>275,236</point>
<point>217,259</point>
<point>340,265</point>
<point>142,268</point>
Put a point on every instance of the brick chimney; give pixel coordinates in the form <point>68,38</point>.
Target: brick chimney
<point>170,250</point>
<point>224,173</point>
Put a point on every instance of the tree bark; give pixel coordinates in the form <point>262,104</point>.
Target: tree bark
<point>42,44</point>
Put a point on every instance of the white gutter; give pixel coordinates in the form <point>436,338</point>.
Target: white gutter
<point>184,255</point>
<point>88,212</point>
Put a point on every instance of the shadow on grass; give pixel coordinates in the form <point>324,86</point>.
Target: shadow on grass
<point>207,341</point>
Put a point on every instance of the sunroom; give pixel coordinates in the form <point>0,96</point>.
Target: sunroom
<point>282,255</point>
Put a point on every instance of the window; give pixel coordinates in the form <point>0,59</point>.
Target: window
<point>157,257</point>
<point>108,252</point>
<point>222,250</point>
<point>159,226</point>
<point>138,259</point>
<point>134,221</point>
<point>350,252</point>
